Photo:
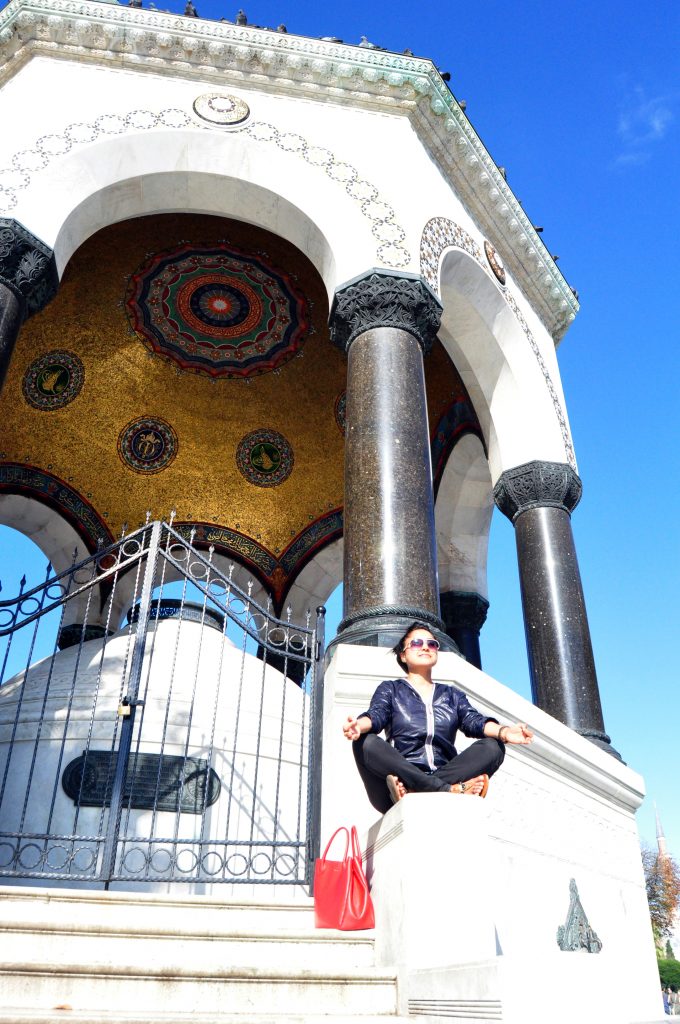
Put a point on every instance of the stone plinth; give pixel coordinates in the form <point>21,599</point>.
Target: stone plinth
<point>471,893</point>
<point>431,851</point>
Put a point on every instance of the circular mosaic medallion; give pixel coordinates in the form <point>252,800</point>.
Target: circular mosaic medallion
<point>265,458</point>
<point>495,262</point>
<point>147,444</point>
<point>340,405</point>
<point>217,311</point>
<point>220,108</point>
<point>53,381</point>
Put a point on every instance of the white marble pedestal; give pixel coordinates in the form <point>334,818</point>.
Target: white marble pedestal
<point>470,893</point>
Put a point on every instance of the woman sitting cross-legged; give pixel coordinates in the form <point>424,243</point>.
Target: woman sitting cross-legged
<point>420,719</point>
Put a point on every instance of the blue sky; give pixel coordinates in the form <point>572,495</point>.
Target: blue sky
<point>581,103</point>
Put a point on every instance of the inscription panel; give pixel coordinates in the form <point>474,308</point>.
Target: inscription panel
<point>161,781</point>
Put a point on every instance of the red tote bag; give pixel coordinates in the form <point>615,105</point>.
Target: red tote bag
<point>341,896</point>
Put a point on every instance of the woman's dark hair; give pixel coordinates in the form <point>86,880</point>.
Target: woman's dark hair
<point>398,648</point>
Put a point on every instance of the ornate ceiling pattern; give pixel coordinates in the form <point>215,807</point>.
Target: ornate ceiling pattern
<point>172,406</point>
<point>218,311</point>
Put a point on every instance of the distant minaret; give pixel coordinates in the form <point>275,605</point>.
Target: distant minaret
<point>660,837</point>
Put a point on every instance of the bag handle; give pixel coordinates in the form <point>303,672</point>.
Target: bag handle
<point>330,842</point>
<point>356,849</point>
<point>363,884</point>
<point>356,870</point>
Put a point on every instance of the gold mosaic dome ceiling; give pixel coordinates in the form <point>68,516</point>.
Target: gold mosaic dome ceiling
<point>185,364</point>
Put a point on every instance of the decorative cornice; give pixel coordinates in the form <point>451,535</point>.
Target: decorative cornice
<point>537,485</point>
<point>196,48</point>
<point>27,267</point>
<point>383,299</point>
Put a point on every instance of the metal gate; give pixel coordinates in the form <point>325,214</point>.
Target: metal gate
<point>183,747</point>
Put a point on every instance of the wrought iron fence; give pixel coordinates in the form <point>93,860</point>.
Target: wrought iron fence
<point>182,747</point>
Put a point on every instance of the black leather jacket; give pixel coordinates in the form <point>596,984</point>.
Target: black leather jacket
<point>425,736</point>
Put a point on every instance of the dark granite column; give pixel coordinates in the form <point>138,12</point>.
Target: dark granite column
<point>464,614</point>
<point>28,280</point>
<point>10,322</point>
<point>385,321</point>
<point>538,498</point>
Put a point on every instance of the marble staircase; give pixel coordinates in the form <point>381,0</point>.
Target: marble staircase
<point>139,958</point>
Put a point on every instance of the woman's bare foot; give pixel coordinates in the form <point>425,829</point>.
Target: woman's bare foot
<point>473,787</point>
<point>396,788</point>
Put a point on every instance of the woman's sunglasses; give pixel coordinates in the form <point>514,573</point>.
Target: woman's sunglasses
<point>420,642</point>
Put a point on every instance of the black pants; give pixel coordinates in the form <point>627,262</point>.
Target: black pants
<point>377,759</point>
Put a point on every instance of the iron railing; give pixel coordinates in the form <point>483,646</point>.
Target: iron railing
<point>183,747</point>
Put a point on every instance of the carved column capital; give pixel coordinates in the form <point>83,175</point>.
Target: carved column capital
<point>382,298</point>
<point>27,267</point>
<point>537,485</point>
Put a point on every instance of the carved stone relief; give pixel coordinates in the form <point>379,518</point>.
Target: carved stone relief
<point>576,932</point>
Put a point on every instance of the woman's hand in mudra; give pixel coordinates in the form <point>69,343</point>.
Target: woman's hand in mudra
<point>351,729</point>
<point>519,734</point>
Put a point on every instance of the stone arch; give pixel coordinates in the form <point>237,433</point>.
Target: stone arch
<point>66,531</point>
<point>463,511</point>
<point>49,511</point>
<point>274,179</point>
<point>180,192</point>
<point>64,543</point>
<point>317,579</point>
<point>510,373</point>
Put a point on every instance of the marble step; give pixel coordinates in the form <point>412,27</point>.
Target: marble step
<point>215,990</point>
<point>155,955</point>
<point>170,948</point>
<point>167,932</point>
<point>17,1015</point>
<point>197,913</point>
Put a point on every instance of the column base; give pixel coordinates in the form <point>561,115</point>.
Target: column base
<point>601,740</point>
<point>464,613</point>
<point>288,667</point>
<point>72,635</point>
<point>383,627</point>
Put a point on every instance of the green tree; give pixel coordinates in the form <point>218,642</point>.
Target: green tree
<point>670,955</point>
<point>662,878</point>
<point>669,973</point>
